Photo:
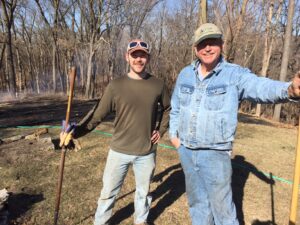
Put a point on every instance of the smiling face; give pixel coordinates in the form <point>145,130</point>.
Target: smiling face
<point>137,61</point>
<point>209,52</point>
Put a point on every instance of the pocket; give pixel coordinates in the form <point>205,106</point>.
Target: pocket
<point>215,97</point>
<point>186,92</point>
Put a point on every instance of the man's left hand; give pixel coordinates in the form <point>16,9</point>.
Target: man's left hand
<point>65,138</point>
<point>155,137</point>
<point>294,88</point>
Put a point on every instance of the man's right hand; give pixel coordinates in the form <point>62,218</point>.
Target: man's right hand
<point>294,88</point>
<point>175,142</point>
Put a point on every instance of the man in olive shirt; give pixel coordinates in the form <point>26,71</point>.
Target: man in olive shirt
<point>134,98</point>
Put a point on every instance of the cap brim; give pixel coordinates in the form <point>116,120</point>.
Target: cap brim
<point>207,37</point>
<point>138,49</point>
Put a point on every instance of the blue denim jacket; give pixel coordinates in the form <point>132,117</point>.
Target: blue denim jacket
<point>204,113</point>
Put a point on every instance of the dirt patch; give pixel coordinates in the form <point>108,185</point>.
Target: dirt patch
<point>41,111</point>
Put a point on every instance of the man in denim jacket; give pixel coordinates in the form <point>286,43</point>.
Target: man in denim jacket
<point>203,123</point>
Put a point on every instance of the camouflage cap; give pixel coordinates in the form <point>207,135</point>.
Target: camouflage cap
<point>205,31</point>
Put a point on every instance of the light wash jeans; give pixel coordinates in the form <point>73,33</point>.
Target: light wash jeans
<point>208,186</point>
<point>116,168</point>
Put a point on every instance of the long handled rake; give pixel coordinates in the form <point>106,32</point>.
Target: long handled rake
<point>63,151</point>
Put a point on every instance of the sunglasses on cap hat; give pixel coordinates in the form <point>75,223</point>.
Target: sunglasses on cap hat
<point>139,45</point>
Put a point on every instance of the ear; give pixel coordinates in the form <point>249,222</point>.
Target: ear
<point>222,45</point>
<point>195,49</point>
<point>127,57</point>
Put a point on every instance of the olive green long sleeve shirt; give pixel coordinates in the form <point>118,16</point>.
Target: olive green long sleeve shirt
<point>135,103</point>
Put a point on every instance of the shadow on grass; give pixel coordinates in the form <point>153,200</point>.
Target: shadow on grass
<point>241,171</point>
<point>250,119</point>
<point>19,204</point>
<point>258,222</point>
<point>171,189</point>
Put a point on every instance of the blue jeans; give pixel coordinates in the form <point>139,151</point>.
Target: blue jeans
<point>208,186</point>
<point>116,168</point>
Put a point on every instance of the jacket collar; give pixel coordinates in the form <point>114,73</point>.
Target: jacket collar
<point>195,64</point>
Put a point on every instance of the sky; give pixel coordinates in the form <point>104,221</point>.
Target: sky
<point>172,4</point>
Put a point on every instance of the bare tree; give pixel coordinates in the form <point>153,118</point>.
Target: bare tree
<point>8,8</point>
<point>202,12</point>
<point>137,15</point>
<point>95,14</point>
<point>286,52</point>
<point>27,37</point>
<point>53,32</point>
<point>268,43</point>
<point>2,56</point>
<point>235,23</point>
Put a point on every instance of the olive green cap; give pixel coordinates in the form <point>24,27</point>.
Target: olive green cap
<point>205,31</point>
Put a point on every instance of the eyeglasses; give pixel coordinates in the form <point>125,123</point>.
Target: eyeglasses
<point>135,44</point>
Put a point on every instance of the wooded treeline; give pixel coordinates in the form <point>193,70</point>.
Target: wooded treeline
<point>40,40</point>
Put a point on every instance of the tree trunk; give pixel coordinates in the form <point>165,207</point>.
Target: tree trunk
<point>54,68</point>
<point>9,52</point>
<point>111,66</point>
<point>11,68</point>
<point>88,91</point>
<point>31,75</point>
<point>20,79</point>
<point>37,79</point>
<point>2,55</point>
<point>268,46</point>
<point>81,69</point>
<point>67,68</point>
<point>286,52</point>
<point>265,61</point>
<point>2,75</point>
<point>60,62</point>
<point>6,74</point>
<point>202,12</point>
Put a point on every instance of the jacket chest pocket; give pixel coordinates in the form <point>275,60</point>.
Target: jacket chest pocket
<point>186,92</point>
<point>215,97</point>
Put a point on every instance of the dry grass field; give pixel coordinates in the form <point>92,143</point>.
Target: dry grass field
<point>30,172</point>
